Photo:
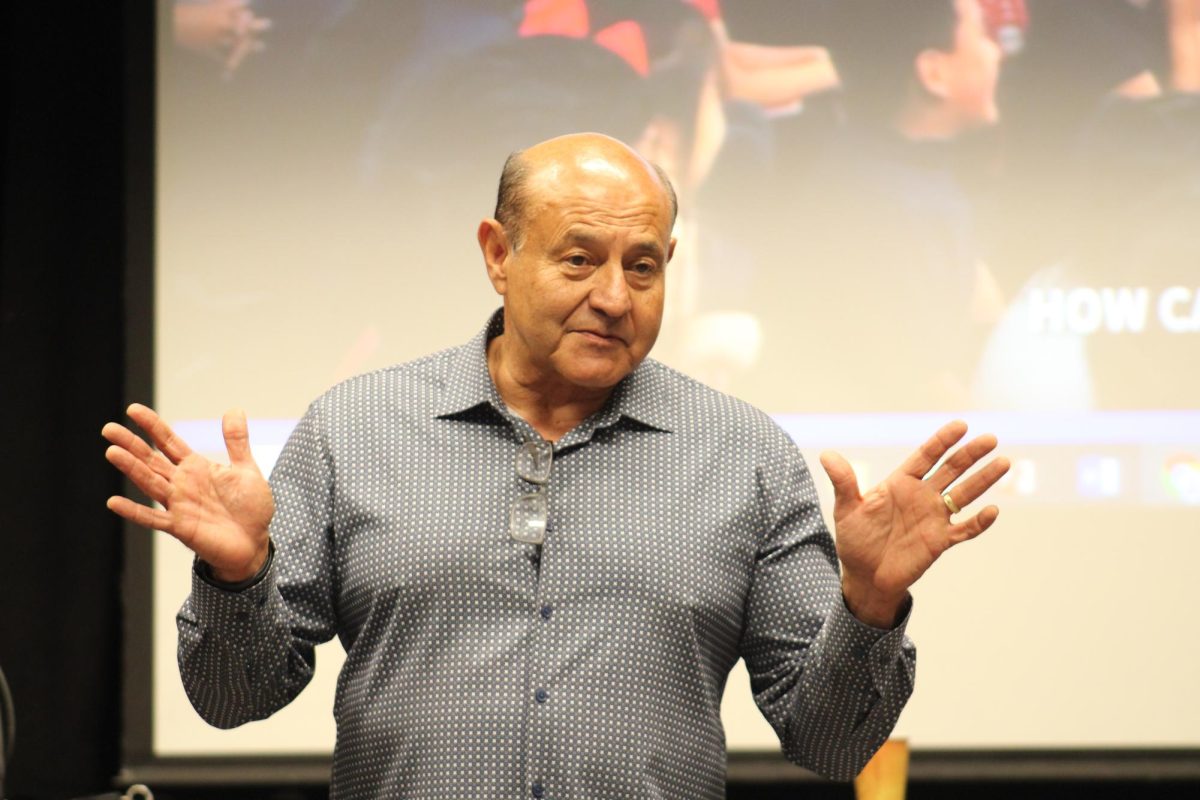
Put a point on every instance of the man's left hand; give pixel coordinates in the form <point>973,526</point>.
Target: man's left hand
<point>889,537</point>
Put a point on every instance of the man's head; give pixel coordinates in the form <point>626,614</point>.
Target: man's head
<point>511,203</point>
<point>900,57</point>
<point>578,250</point>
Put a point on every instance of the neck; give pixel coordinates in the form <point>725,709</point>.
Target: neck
<point>550,406</point>
<point>925,123</point>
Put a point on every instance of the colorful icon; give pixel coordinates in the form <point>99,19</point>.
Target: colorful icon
<point>1181,477</point>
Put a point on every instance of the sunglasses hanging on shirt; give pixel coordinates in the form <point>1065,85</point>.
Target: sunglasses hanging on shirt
<point>529,511</point>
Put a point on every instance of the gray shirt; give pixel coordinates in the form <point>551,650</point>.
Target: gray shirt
<point>683,532</point>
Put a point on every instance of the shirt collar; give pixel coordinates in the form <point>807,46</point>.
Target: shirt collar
<point>469,384</point>
<point>640,396</point>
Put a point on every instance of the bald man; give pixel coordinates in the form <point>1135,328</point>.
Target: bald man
<point>542,551</point>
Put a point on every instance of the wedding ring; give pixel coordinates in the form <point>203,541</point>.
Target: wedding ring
<point>950,504</point>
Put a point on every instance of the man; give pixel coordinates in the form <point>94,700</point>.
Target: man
<point>564,628</point>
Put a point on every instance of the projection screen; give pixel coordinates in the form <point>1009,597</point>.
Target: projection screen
<point>1029,264</point>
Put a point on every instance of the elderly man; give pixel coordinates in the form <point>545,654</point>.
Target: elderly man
<point>544,552</point>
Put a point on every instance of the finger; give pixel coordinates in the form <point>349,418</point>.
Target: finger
<point>237,55</point>
<point>242,21</point>
<point>127,440</point>
<point>928,454</point>
<point>970,528</point>
<point>165,439</point>
<point>970,490</point>
<point>845,484</point>
<point>146,479</point>
<point>237,438</point>
<point>962,460</point>
<point>138,514</point>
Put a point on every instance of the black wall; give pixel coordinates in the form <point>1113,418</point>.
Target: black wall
<point>61,373</point>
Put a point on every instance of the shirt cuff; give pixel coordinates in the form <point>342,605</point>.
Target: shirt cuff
<point>204,570</point>
<point>876,649</point>
<point>232,606</point>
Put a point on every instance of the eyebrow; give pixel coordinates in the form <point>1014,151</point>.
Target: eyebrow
<point>583,237</point>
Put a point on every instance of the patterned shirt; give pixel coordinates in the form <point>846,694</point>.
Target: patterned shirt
<point>683,532</point>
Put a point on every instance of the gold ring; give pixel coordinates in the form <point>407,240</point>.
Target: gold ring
<point>950,504</point>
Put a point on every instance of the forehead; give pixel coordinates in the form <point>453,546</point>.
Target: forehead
<point>598,195</point>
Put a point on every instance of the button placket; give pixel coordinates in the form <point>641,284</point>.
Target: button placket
<point>537,695</point>
<point>545,635</point>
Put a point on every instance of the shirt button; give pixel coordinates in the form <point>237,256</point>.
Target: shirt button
<point>541,695</point>
<point>546,612</point>
<point>538,790</point>
<point>241,616</point>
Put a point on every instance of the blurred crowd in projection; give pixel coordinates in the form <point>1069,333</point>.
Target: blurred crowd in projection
<point>941,203</point>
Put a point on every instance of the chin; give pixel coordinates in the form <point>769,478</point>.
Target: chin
<point>597,380</point>
<point>988,111</point>
<point>598,376</point>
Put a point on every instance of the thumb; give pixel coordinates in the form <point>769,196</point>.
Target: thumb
<point>845,483</point>
<point>237,438</point>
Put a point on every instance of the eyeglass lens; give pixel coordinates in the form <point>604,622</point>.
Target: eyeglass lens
<point>530,511</point>
<point>533,461</point>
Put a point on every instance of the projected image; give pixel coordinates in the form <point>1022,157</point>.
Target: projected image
<point>892,213</point>
<point>984,202</point>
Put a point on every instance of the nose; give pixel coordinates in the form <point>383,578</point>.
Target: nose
<point>610,291</point>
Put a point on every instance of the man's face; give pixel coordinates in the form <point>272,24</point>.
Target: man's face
<point>973,67</point>
<point>583,295</point>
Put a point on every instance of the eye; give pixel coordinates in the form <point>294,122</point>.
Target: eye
<point>577,260</point>
<point>644,268</point>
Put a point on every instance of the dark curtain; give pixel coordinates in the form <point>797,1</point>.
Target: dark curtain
<point>61,376</point>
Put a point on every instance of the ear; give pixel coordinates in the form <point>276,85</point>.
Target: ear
<point>933,73</point>
<point>671,249</point>
<point>494,244</point>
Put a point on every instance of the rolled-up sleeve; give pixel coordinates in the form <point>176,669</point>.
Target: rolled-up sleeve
<point>245,654</point>
<point>831,686</point>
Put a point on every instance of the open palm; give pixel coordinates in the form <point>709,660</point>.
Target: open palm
<point>889,537</point>
<point>220,512</point>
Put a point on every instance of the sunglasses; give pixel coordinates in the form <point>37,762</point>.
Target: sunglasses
<point>529,511</point>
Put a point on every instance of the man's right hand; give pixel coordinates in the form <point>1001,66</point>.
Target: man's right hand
<point>219,512</point>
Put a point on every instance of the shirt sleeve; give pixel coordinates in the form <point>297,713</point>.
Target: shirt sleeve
<point>831,686</point>
<point>245,654</point>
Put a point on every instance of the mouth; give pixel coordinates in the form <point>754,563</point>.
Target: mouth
<point>597,337</point>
